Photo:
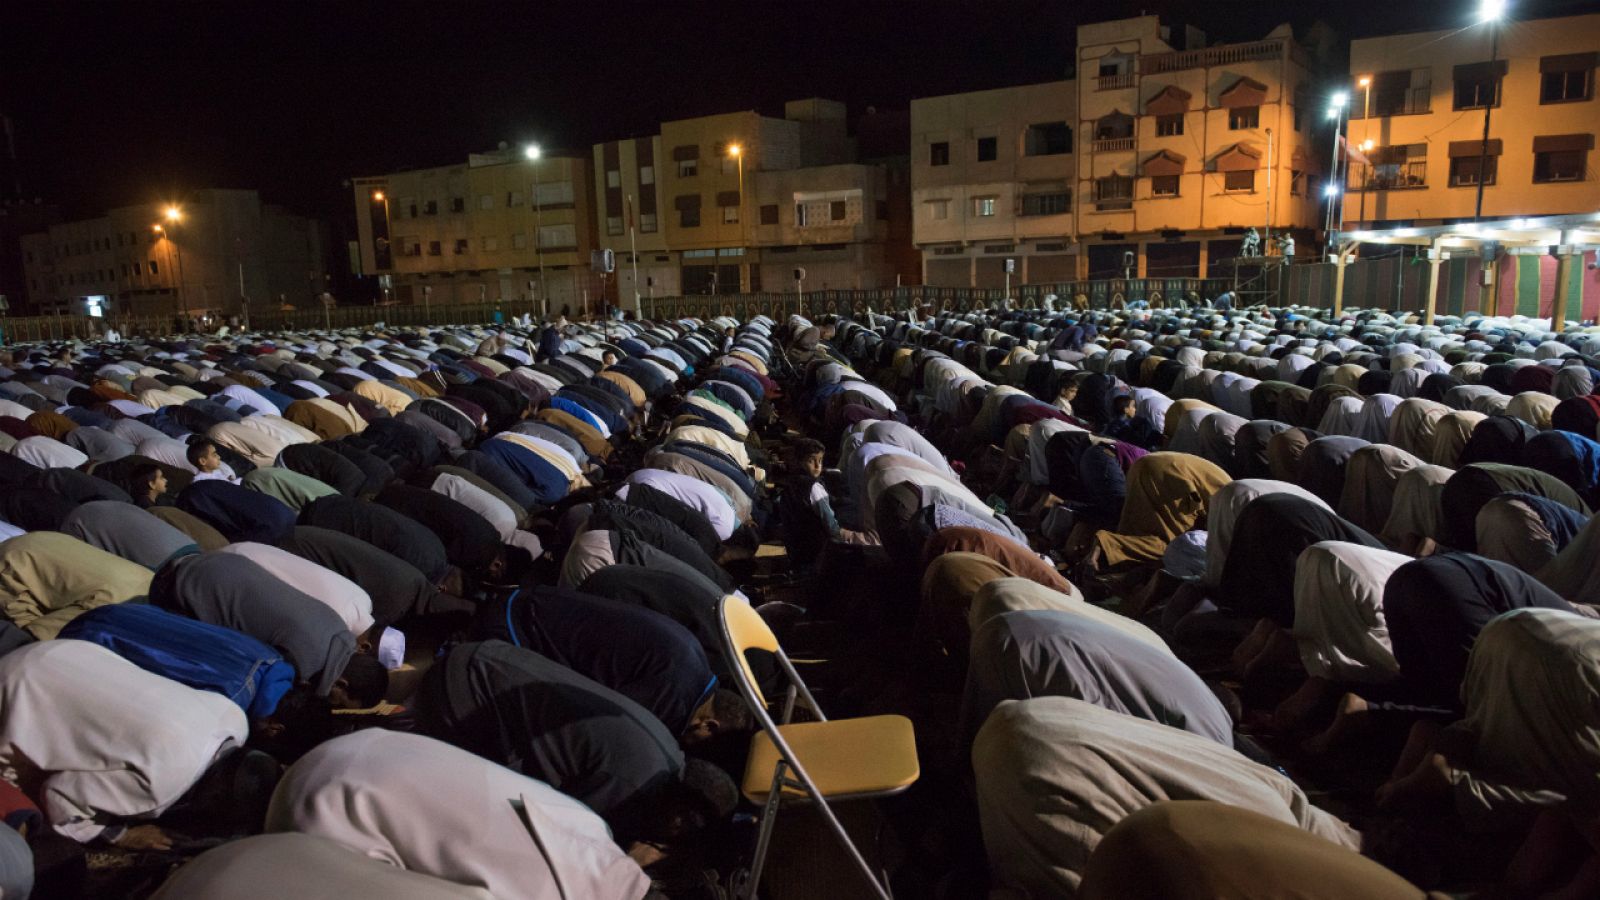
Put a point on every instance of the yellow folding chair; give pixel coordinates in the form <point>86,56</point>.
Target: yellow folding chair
<point>846,759</point>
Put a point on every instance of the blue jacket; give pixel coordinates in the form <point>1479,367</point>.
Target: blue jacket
<point>191,652</point>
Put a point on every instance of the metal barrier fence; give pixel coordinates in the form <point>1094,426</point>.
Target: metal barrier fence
<point>1097,294</point>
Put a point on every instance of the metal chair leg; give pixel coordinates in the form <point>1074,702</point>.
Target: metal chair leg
<point>769,817</point>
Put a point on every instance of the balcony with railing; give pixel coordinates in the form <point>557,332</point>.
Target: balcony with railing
<point>1111,145</point>
<point>1405,176</point>
<point>1226,55</point>
<point>1114,82</point>
<point>1416,101</point>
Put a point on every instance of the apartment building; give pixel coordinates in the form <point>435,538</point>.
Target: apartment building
<point>1162,153</point>
<point>741,202</point>
<point>1418,104</point>
<point>992,178</point>
<point>500,227</point>
<point>209,252</point>
<point>630,214</point>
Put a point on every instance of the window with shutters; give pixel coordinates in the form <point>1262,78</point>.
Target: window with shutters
<point>1048,139</point>
<point>688,168</point>
<point>1243,117</point>
<point>1558,165</point>
<point>553,193</point>
<point>988,149</point>
<point>647,174</point>
<point>1169,126</point>
<point>1464,170</point>
<point>461,246</point>
<point>1392,168</point>
<point>689,218</point>
<point>983,206</point>
<point>613,224</point>
<point>558,236</point>
<point>647,222</point>
<point>1477,91</point>
<point>1239,182</point>
<point>1406,92</point>
<point>1164,185</point>
<point>1053,203</point>
<point>1113,192</point>
<point>938,209</point>
<point>1566,87</point>
<point>730,215</point>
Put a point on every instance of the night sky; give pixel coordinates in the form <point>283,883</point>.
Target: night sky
<point>122,103</point>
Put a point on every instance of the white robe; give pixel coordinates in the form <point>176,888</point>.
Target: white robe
<point>110,738</point>
<point>338,593</point>
<point>1338,611</point>
<point>428,807</point>
<point>276,866</point>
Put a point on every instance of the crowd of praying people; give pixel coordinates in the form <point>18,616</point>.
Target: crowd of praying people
<point>1210,603</point>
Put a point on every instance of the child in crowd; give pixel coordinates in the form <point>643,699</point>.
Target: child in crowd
<point>1065,394</point>
<point>150,486</point>
<point>1127,427</point>
<point>208,462</point>
<point>809,520</point>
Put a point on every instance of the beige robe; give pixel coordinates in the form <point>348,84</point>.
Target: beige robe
<point>424,806</point>
<point>1338,611</point>
<point>1055,774</point>
<point>47,579</point>
<point>278,866</point>
<point>1532,728</point>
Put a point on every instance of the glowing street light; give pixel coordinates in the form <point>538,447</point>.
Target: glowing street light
<point>531,153</point>
<point>173,215</point>
<point>1491,10</point>
<point>1364,81</point>
<point>1336,110</point>
<point>1367,145</point>
<point>377,196</point>
<point>737,152</point>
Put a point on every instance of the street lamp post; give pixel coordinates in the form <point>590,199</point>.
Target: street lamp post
<point>1333,190</point>
<point>1490,12</point>
<point>173,216</point>
<point>533,154</point>
<point>1365,83</point>
<point>737,153</point>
